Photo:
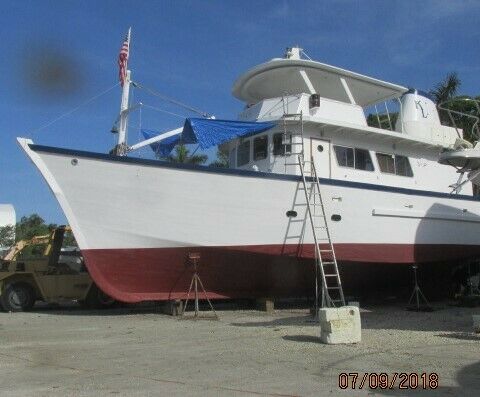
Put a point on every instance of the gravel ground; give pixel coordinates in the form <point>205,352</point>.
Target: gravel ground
<point>136,352</point>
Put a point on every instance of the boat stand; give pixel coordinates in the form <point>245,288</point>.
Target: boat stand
<point>194,257</point>
<point>418,294</point>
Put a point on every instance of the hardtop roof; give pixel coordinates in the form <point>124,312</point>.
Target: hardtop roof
<point>280,77</point>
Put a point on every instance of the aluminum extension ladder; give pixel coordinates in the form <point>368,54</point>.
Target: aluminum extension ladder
<point>325,259</point>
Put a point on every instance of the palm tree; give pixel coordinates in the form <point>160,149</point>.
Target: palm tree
<point>446,89</point>
<point>182,156</point>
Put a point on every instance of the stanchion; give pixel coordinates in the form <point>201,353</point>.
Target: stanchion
<point>418,294</point>
<point>194,258</point>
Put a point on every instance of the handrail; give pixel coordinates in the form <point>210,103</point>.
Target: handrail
<point>379,116</point>
<point>475,130</point>
<point>400,114</point>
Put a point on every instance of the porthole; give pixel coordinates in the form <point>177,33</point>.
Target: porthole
<point>336,217</point>
<point>320,148</point>
<point>292,214</point>
<point>74,161</point>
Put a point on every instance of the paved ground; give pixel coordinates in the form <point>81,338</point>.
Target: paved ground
<point>135,352</point>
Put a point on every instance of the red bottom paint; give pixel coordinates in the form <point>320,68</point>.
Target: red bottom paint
<point>134,275</point>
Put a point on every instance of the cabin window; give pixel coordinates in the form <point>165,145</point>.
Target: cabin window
<point>402,166</point>
<point>279,146</point>
<point>243,153</point>
<point>344,156</point>
<point>354,158</point>
<point>386,162</point>
<point>260,147</point>
<point>363,161</point>
<point>394,164</point>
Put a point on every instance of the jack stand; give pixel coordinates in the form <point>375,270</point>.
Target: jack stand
<point>194,258</point>
<point>471,294</point>
<point>417,293</point>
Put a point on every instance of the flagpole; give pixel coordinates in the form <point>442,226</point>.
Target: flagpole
<point>122,130</point>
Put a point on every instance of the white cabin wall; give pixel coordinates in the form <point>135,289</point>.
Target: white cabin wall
<point>428,174</point>
<point>329,109</point>
<point>332,110</point>
<point>275,164</point>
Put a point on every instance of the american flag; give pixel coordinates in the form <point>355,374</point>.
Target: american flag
<point>123,59</point>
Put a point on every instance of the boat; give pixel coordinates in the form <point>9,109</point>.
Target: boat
<point>388,201</point>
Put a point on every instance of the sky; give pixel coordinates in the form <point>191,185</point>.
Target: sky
<point>56,55</point>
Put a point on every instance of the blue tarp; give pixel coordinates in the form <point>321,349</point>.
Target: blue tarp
<point>162,148</point>
<point>207,133</point>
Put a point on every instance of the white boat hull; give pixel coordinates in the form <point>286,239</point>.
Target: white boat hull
<point>136,220</point>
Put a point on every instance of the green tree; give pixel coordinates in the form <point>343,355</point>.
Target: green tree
<point>69,240</point>
<point>221,160</point>
<point>182,155</point>
<point>466,106</point>
<point>372,120</point>
<point>446,89</point>
<point>30,226</point>
<point>7,235</point>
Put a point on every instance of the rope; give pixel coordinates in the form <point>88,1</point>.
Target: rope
<point>161,110</point>
<point>73,110</point>
<point>171,100</point>
<point>139,133</point>
<point>304,53</point>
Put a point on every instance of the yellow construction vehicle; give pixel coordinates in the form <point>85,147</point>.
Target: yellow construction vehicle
<point>38,269</point>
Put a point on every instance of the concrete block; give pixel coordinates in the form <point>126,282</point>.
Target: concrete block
<point>476,323</point>
<point>265,305</point>
<point>340,325</point>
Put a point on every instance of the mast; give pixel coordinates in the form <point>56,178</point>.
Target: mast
<point>121,148</point>
<point>123,123</point>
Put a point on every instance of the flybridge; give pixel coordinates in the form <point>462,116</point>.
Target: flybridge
<point>335,99</point>
<point>293,75</point>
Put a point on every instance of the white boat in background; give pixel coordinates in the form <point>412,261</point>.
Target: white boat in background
<point>386,196</point>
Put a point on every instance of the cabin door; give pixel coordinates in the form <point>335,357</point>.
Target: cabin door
<point>320,152</point>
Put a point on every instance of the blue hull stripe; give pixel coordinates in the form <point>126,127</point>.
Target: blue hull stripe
<point>246,173</point>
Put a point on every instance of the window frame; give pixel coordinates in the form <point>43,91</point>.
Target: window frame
<point>409,166</point>
<point>265,136</point>
<point>395,164</point>
<point>354,149</point>
<point>336,157</point>
<point>284,147</point>
<point>380,168</point>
